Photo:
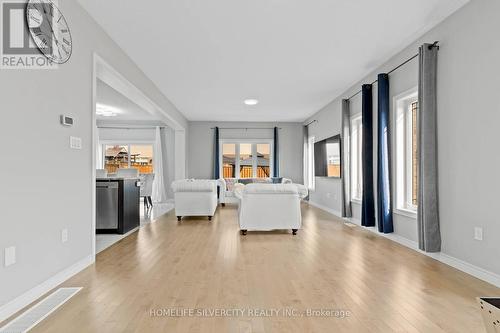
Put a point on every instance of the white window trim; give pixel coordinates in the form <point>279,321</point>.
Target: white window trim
<point>403,151</point>
<point>358,151</point>
<point>254,143</point>
<point>311,181</point>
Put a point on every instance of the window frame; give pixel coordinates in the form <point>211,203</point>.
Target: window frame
<point>311,178</point>
<point>403,151</point>
<point>356,155</point>
<point>127,143</point>
<point>254,143</point>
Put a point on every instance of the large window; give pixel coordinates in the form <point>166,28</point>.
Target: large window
<point>119,156</point>
<point>229,160</point>
<point>263,160</point>
<point>246,159</point>
<point>406,108</point>
<point>356,158</point>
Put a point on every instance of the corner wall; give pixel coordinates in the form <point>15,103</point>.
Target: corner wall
<point>468,114</point>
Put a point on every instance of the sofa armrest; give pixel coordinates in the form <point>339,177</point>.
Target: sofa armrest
<point>238,190</point>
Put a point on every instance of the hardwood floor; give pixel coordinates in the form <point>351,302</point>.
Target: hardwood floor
<point>328,265</point>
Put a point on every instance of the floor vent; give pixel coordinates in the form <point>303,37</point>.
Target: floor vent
<point>38,312</point>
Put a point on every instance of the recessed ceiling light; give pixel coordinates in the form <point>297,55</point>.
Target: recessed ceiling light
<point>251,101</point>
<point>106,111</point>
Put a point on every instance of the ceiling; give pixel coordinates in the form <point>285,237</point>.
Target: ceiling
<point>294,56</point>
<point>125,109</point>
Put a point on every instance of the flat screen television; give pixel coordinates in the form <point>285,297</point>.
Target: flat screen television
<point>327,158</point>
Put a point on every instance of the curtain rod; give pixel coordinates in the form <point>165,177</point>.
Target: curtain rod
<point>245,128</point>
<point>312,121</point>
<point>129,128</point>
<point>435,44</point>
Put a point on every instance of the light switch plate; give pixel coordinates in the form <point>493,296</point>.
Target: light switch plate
<point>64,235</point>
<point>10,256</point>
<point>478,233</point>
<point>75,142</point>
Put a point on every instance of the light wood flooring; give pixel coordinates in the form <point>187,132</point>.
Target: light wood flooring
<point>198,264</point>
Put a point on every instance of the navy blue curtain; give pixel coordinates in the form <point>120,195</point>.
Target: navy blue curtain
<point>368,206</point>
<point>216,154</point>
<point>276,157</point>
<point>384,205</point>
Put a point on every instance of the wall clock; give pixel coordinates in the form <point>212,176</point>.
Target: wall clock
<point>49,30</point>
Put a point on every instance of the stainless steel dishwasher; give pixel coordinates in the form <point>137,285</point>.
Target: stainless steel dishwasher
<point>107,205</point>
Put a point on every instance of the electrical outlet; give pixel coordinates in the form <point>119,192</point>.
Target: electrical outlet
<point>10,256</point>
<point>478,233</point>
<point>64,235</point>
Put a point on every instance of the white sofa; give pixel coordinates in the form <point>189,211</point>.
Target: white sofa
<point>270,206</point>
<point>226,186</point>
<point>195,198</point>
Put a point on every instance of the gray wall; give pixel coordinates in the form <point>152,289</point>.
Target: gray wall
<point>47,186</point>
<point>469,113</point>
<point>201,146</point>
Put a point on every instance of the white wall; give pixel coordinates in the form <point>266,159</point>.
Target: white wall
<point>201,145</point>
<point>47,186</point>
<point>468,117</point>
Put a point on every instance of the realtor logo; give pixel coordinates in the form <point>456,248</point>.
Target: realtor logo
<point>17,48</point>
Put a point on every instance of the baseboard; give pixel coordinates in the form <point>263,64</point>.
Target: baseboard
<point>325,208</point>
<point>33,294</point>
<point>466,267</point>
<point>459,264</point>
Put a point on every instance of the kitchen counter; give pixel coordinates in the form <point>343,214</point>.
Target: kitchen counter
<point>117,202</point>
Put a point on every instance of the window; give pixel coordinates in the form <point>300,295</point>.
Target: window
<point>406,108</point>
<point>333,157</point>
<point>115,157</point>
<point>263,160</point>
<point>356,158</point>
<point>138,156</point>
<point>229,160</point>
<point>246,159</point>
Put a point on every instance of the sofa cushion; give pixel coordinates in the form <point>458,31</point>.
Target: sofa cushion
<point>245,181</point>
<point>299,189</point>
<point>194,185</point>
<point>277,180</point>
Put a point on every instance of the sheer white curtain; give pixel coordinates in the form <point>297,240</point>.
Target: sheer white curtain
<point>159,193</point>
<point>99,164</point>
<point>168,159</point>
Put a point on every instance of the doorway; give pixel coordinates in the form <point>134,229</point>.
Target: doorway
<point>119,107</point>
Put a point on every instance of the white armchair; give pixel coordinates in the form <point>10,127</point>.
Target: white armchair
<point>195,198</point>
<point>270,206</point>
